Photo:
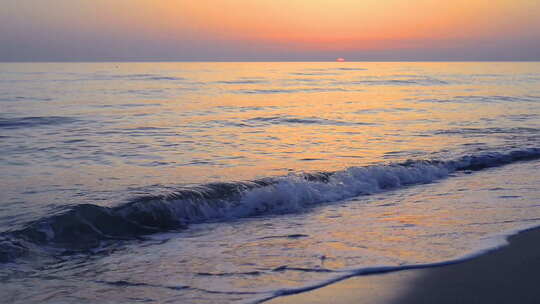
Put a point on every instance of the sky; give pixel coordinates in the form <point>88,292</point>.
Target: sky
<point>269,30</point>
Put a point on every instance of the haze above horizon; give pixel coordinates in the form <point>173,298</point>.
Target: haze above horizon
<point>269,30</point>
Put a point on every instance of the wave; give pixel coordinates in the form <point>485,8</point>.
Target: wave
<point>484,131</point>
<point>23,98</point>
<point>141,77</point>
<point>351,69</point>
<point>27,122</point>
<point>288,119</point>
<point>400,82</point>
<point>484,99</point>
<point>287,91</point>
<point>491,244</point>
<point>242,81</point>
<point>314,73</point>
<point>84,227</point>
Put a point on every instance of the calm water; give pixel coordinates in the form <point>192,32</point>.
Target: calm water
<point>235,182</point>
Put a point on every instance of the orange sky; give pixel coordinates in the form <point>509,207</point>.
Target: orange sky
<point>351,24</point>
<point>296,25</point>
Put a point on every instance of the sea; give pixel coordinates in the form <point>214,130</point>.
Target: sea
<point>239,182</point>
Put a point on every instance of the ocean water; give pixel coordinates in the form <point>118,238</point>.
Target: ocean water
<point>240,182</point>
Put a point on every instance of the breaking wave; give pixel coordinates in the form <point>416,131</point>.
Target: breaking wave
<point>84,227</point>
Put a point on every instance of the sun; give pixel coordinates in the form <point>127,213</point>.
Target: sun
<point>340,59</point>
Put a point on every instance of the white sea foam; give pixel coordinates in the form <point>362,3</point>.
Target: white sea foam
<point>487,245</point>
<point>296,192</point>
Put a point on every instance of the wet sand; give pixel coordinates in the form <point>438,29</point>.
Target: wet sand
<point>507,275</point>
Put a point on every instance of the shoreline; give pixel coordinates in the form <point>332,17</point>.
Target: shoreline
<point>503,274</point>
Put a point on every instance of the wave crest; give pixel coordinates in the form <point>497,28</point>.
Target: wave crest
<point>83,227</point>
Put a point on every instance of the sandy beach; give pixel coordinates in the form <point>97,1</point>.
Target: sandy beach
<point>506,275</point>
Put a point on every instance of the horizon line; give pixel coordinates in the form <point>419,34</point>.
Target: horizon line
<point>248,61</point>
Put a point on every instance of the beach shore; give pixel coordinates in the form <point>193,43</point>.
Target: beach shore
<point>507,275</point>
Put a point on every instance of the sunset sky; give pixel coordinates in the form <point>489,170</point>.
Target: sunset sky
<point>245,30</point>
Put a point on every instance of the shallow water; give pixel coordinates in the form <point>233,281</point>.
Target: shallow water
<point>231,182</point>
